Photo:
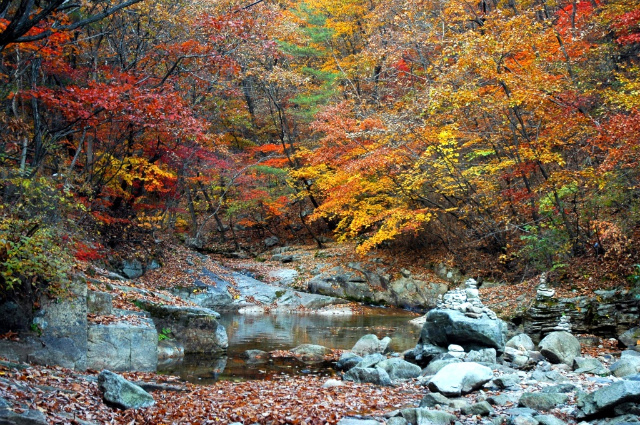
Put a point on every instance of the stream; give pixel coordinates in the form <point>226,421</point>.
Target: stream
<point>285,331</point>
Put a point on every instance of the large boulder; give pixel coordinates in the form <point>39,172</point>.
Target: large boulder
<point>123,346</point>
<point>370,344</point>
<point>613,400</point>
<point>121,393</point>
<point>460,378</point>
<point>399,369</point>
<point>196,328</point>
<point>630,338</point>
<point>348,360</point>
<point>445,327</point>
<point>364,375</point>
<point>522,342</point>
<point>626,366</point>
<point>560,347</point>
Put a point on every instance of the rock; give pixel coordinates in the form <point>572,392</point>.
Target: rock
<point>549,420</point>
<point>15,317</point>
<point>522,420</point>
<point>332,383</point>
<point>311,352</point>
<point>28,417</point>
<point>477,409</point>
<point>603,402</point>
<point>271,241</point>
<point>445,327</point>
<point>99,302</point>
<point>123,346</point>
<point>547,376</point>
<point>542,401</point>
<point>560,388</point>
<point>627,365</point>
<point>521,342</point>
<point>370,344</point>
<point>398,420</point>
<point>399,369</point>
<point>455,351</point>
<point>421,416</point>
<point>507,381</point>
<point>631,337</point>
<point>355,421</point>
<point>169,349</point>
<point>283,258</point>
<point>589,365</point>
<point>132,269</point>
<point>484,355</point>
<point>424,353</point>
<point>433,400</point>
<point>348,360</point>
<point>463,378</point>
<point>435,366</point>
<point>196,328</point>
<point>283,277</point>
<point>560,347</point>
<point>121,393</point>
<point>501,400</point>
<point>255,356</point>
<point>368,375</point>
<point>370,360</point>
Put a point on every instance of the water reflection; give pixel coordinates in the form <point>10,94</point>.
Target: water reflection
<point>286,331</point>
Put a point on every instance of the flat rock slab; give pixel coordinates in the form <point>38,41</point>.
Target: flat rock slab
<point>460,378</point>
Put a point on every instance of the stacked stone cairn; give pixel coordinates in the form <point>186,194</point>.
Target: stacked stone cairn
<point>466,300</point>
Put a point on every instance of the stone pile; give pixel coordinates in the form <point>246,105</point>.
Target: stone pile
<point>466,300</point>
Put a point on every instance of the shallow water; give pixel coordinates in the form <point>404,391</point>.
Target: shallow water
<point>285,331</point>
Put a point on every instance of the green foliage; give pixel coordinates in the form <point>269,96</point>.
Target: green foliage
<point>34,233</point>
<point>164,334</point>
<point>36,329</point>
<point>546,248</point>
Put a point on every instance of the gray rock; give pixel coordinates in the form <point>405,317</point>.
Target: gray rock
<point>170,349</point>
<point>549,420</point>
<point>589,365</point>
<point>99,302</point>
<point>501,399</point>
<point>522,420</point>
<point>560,347</point>
<point>604,401</point>
<point>560,388</point>
<point>484,355</point>
<point>435,366</point>
<point>196,328</point>
<point>433,400</point>
<point>481,409</point>
<point>121,393</point>
<point>424,353</point>
<point>14,317</point>
<point>123,346</point>
<point>347,361</point>
<point>370,360</point>
<point>271,241</point>
<point>542,401</point>
<point>445,327</point>
<point>548,376</point>
<point>421,416</point>
<point>255,356</point>
<point>463,378</point>
<point>521,342</point>
<point>370,344</point>
<point>28,417</point>
<point>397,420</point>
<point>368,375</point>
<point>399,369</point>
<point>631,337</point>
<point>627,365</point>
<point>132,269</point>
<point>332,383</point>
<point>355,421</point>
<point>311,352</point>
<point>507,381</point>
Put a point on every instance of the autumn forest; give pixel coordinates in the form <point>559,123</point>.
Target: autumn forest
<point>503,133</point>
